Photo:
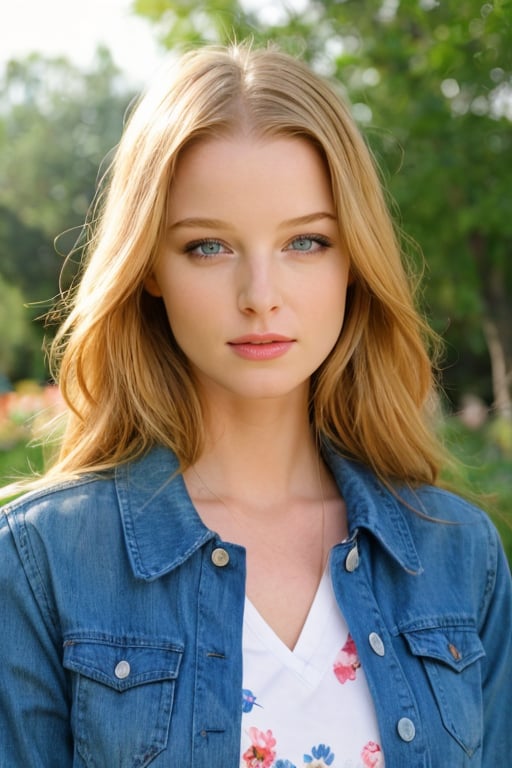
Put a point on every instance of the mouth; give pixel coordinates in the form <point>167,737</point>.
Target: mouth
<point>261,347</point>
<point>259,339</point>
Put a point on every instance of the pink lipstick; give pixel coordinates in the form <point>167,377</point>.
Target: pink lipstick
<point>264,346</point>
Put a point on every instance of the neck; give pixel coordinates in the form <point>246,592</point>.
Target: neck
<point>265,451</point>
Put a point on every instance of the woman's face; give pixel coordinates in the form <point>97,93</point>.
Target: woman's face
<point>251,269</point>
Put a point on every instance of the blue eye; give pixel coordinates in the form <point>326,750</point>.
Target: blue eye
<point>302,244</point>
<point>205,248</point>
<point>308,244</point>
<point>210,248</point>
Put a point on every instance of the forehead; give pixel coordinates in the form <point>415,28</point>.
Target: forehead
<point>288,173</point>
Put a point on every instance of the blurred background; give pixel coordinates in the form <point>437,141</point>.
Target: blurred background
<point>430,84</point>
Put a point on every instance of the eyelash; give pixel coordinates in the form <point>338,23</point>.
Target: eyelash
<point>320,240</point>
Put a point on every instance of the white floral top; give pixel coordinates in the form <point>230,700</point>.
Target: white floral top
<point>309,707</point>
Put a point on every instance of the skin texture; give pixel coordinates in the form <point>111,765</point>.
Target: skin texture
<point>252,254</point>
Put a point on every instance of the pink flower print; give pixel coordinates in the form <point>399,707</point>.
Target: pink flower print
<point>261,753</point>
<point>372,755</point>
<point>347,662</point>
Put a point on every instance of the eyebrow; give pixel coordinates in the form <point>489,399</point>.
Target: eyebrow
<point>197,221</point>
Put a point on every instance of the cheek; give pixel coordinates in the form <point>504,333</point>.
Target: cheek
<point>178,295</point>
<point>333,322</point>
<point>332,297</point>
<point>331,313</point>
<point>189,312</point>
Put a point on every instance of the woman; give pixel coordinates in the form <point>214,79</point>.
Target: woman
<point>241,557</point>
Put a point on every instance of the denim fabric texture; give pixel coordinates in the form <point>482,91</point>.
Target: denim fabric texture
<point>122,621</point>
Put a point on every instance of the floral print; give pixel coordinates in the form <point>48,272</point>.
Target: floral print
<point>321,756</point>
<point>248,700</point>
<point>372,755</point>
<point>265,748</point>
<point>261,752</point>
<point>347,662</point>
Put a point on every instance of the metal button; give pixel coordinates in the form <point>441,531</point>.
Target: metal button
<point>122,670</point>
<point>220,557</point>
<point>352,559</point>
<point>376,644</point>
<point>406,729</point>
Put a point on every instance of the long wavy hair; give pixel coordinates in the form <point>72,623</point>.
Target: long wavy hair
<point>127,384</point>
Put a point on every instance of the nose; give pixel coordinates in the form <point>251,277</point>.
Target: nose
<point>259,286</point>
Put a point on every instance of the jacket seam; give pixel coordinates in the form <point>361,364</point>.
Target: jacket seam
<point>33,575</point>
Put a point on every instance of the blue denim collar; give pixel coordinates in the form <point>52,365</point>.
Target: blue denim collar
<point>161,525</point>
<point>372,506</point>
<point>163,529</point>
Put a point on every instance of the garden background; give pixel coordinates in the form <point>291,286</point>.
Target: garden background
<point>430,84</point>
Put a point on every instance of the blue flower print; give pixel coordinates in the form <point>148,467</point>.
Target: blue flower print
<point>248,700</point>
<point>284,764</point>
<point>320,756</point>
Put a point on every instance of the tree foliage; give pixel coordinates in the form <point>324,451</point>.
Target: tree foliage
<point>57,123</point>
<point>20,344</point>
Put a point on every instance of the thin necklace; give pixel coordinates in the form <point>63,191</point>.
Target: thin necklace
<point>235,516</point>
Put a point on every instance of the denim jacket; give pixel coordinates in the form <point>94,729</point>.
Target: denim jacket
<point>122,619</point>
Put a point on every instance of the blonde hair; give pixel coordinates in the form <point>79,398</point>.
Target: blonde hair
<point>126,382</point>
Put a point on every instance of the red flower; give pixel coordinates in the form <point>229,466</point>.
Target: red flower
<point>347,662</point>
<point>372,755</point>
<point>261,753</point>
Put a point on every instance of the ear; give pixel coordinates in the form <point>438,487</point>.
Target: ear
<point>151,286</point>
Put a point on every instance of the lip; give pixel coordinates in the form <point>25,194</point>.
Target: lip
<point>260,338</point>
<point>261,346</point>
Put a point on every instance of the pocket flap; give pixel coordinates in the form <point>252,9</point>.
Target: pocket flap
<point>457,647</point>
<point>122,664</point>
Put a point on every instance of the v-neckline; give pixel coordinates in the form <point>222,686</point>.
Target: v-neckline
<point>304,658</point>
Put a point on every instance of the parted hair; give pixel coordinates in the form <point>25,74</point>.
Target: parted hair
<point>127,384</point>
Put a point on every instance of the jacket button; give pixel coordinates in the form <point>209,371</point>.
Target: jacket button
<point>454,652</point>
<point>406,729</point>
<point>352,559</point>
<point>122,670</point>
<point>376,644</point>
<point>220,557</point>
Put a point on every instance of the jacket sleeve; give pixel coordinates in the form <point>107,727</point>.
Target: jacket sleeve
<point>496,635</point>
<point>34,706</point>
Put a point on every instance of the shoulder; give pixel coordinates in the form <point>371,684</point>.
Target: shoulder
<point>435,515</point>
<point>93,493</point>
<point>88,515</point>
<point>442,505</point>
<point>462,556</point>
<point>57,516</point>
<point>61,540</point>
<point>58,499</point>
<point>449,531</point>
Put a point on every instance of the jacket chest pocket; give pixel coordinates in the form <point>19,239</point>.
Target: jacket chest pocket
<point>450,655</point>
<point>123,691</point>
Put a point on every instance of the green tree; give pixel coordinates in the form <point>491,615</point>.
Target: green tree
<point>27,258</point>
<point>57,124</point>
<point>431,86</point>
<point>20,342</point>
